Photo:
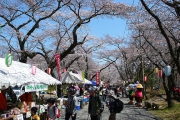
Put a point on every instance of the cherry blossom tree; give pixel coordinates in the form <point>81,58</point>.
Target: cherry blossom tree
<point>155,34</point>
<point>47,27</point>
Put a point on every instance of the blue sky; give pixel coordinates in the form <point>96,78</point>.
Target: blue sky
<point>114,27</point>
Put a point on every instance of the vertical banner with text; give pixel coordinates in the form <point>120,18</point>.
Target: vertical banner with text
<point>57,56</point>
<point>97,78</point>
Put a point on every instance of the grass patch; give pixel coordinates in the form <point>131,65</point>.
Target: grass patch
<point>167,113</point>
<point>163,112</point>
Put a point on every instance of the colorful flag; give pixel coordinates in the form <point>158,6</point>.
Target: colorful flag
<point>83,75</point>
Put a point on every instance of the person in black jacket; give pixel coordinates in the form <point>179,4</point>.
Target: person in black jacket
<point>96,106</point>
<point>110,103</point>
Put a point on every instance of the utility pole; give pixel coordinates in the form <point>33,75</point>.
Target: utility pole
<point>144,85</point>
<point>142,65</point>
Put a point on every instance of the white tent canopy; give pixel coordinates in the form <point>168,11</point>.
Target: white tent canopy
<point>68,77</point>
<point>20,74</point>
<point>85,80</point>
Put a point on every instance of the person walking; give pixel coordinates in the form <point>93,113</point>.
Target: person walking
<point>34,115</point>
<point>110,103</point>
<point>71,105</point>
<point>52,110</point>
<point>96,106</point>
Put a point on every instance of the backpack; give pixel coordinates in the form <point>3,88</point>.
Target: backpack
<point>119,105</point>
<point>58,114</point>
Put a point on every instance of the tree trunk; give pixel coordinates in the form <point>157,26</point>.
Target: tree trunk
<point>168,89</point>
<point>23,58</point>
<point>59,91</point>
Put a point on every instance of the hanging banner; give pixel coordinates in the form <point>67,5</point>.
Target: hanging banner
<point>97,78</point>
<point>57,56</point>
<point>35,87</point>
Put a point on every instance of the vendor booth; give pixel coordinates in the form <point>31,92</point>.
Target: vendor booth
<point>20,74</point>
<point>71,78</point>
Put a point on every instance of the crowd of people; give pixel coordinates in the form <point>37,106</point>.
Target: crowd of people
<point>98,97</point>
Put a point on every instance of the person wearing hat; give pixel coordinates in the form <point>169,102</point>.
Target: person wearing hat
<point>71,105</point>
<point>3,103</point>
<point>139,95</point>
<point>110,103</point>
<point>96,106</point>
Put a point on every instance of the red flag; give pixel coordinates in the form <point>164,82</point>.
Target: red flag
<point>97,78</point>
<point>57,56</point>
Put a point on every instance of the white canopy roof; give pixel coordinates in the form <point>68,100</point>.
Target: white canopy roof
<point>20,74</point>
<point>79,77</point>
<point>69,77</point>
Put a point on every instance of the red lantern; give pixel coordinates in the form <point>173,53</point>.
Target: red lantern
<point>145,78</point>
<point>160,73</point>
<point>48,70</point>
<point>33,69</point>
<point>90,77</point>
<point>64,70</point>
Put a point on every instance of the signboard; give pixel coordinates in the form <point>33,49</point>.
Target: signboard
<point>28,114</point>
<point>35,87</point>
<point>20,117</point>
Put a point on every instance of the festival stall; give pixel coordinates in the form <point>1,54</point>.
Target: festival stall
<point>71,78</point>
<point>27,75</point>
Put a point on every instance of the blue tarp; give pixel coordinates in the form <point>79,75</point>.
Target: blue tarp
<point>93,83</point>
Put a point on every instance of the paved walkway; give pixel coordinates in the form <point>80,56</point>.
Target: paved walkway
<point>130,112</point>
